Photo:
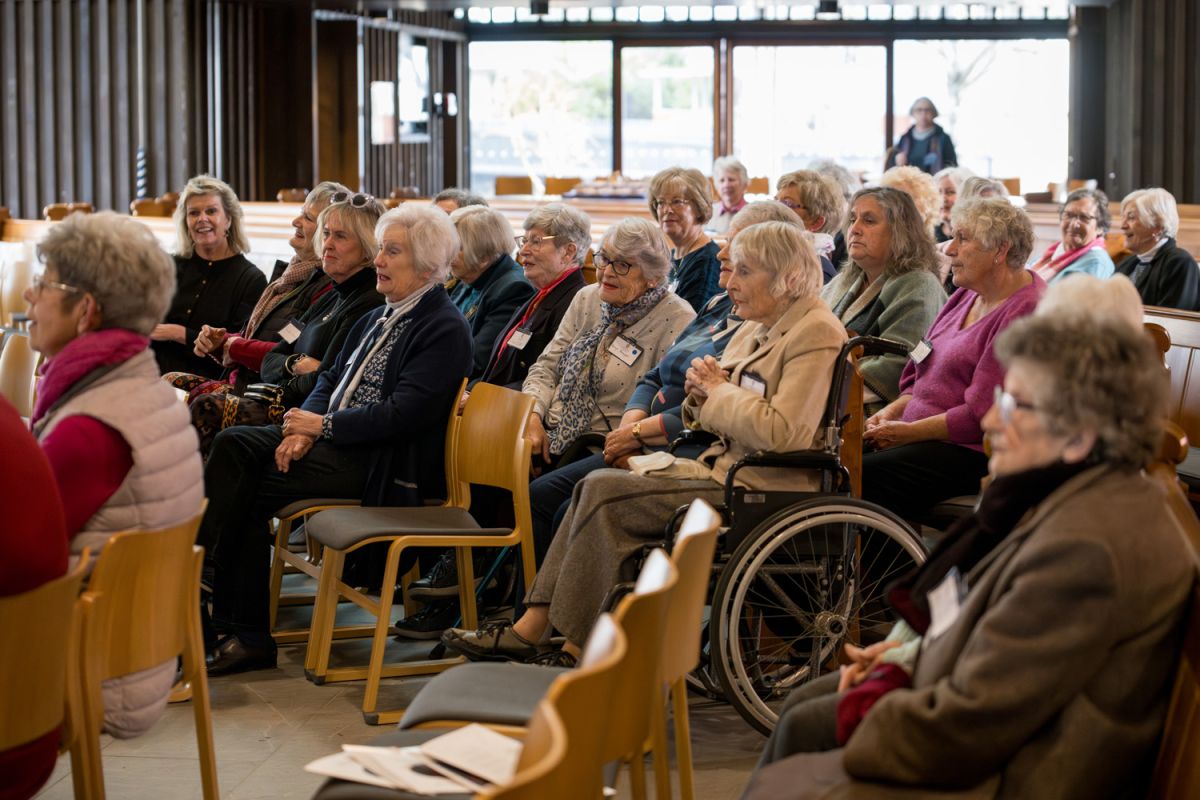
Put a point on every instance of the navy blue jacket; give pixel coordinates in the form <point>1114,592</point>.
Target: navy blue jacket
<point>500,291</point>
<point>695,275</point>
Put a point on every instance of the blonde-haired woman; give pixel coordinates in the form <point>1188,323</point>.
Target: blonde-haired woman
<point>817,200</point>
<point>1163,272</point>
<point>921,188</point>
<point>216,285</point>
<point>681,202</point>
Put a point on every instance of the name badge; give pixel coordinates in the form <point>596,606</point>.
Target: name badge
<point>625,350</point>
<point>291,332</point>
<point>945,601</point>
<point>754,383</point>
<point>519,339</point>
<point>921,351</point>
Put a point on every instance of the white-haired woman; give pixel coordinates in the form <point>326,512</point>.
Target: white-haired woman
<point>681,202</point>
<point>613,333</point>
<point>120,443</point>
<point>767,393</point>
<point>949,184</point>
<point>1163,272</point>
<point>372,429</point>
<point>490,284</point>
<point>732,180</point>
<point>216,284</point>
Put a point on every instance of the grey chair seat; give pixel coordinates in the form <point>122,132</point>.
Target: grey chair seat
<point>300,505</point>
<point>342,528</point>
<point>496,693</point>
<point>1189,470</point>
<point>334,789</point>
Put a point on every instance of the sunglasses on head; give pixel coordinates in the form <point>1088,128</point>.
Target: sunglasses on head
<point>356,200</point>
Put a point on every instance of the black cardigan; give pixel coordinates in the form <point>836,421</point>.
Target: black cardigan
<point>1172,281</point>
<point>502,290</point>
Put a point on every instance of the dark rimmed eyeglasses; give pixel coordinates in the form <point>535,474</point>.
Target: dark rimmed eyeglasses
<point>1007,405</point>
<point>358,200</point>
<point>604,262</point>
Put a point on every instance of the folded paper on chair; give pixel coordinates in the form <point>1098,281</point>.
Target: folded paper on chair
<point>466,759</point>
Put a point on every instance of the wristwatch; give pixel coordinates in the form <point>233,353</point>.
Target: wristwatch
<point>289,365</point>
<point>637,433</point>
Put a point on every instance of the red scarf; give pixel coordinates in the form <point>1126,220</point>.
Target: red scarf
<point>533,304</point>
<point>1049,266</point>
<point>104,348</point>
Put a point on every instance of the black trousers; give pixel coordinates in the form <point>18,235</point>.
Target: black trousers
<point>913,478</point>
<point>244,490</point>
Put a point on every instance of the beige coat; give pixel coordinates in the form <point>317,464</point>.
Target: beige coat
<point>793,360</point>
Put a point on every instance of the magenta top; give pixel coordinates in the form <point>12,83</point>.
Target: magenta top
<point>960,374</point>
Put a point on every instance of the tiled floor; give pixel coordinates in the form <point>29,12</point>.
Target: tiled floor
<point>269,724</point>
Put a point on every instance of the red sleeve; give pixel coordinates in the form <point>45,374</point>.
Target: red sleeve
<point>250,352</point>
<point>90,461</point>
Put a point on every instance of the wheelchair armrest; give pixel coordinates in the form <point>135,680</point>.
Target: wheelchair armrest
<point>799,459</point>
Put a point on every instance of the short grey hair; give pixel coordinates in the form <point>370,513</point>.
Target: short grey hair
<point>786,252</point>
<point>567,224</point>
<point>1104,376</point>
<point>844,177</point>
<point>918,185</point>
<point>431,238</point>
<point>730,164</point>
<point>1155,207</point>
<point>764,211</point>
<point>696,189</point>
<point>1103,217</point>
<point>119,261</point>
<point>460,197</point>
<point>976,186</point>
<point>911,248</point>
<point>820,194</point>
<point>642,243</point>
<point>956,175</point>
<point>992,222</point>
<point>322,194</point>
<point>198,187</point>
<point>486,235</point>
<point>1079,293</point>
<point>360,222</point>
<point>923,100</point>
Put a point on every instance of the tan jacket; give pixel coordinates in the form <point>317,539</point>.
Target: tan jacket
<point>793,363</point>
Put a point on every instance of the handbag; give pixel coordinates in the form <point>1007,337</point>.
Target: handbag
<point>260,404</point>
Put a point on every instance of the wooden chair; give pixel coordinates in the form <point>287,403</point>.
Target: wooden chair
<point>18,365</point>
<point>543,769</point>
<point>1162,339</point>
<point>513,184</point>
<point>404,192</point>
<point>1013,185</point>
<point>141,608</point>
<point>39,631</point>
<point>589,268</point>
<point>759,186</point>
<point>1114,244</point>
<point>54,212</point>
<point>485,445</point>
<point>560,186</point>
<point>169,200</point>
<point>295,194</point>
<point>147,208</point>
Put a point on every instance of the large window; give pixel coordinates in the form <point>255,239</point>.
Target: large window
<point>1005,103</point>
<point>540,109</point>
<point>793,105</point>
<point>666,109</point>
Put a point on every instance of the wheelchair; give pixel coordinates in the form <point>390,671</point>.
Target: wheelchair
<point>799,574</point>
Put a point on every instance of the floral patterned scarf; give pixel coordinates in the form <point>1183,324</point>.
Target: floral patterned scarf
<point>294,275</point>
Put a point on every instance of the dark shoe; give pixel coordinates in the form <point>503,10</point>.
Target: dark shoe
<point>441,582</point>
<point>494,641</point>
<point>429,622</point>
<point>554,658</point>
<point>232,656</point>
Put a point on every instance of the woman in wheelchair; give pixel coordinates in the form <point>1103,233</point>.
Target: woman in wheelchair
<point>1050,616</point>
<point>768,393</point>
<point>653,415</point>
<point>928,441</point>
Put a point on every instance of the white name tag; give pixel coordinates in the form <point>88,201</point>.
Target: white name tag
<point>754,383</point>
<point>519,339</point>
<point>944,604</point>
<point>291,332</point>
<point>625,350</point>
<point>921,351</point>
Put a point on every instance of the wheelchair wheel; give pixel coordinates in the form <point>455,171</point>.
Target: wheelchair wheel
<point>805,581</point>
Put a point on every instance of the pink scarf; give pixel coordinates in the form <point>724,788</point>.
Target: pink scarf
<point>83,354</point>
<point>1049,266</point>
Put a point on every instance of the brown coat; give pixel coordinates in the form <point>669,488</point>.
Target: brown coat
<point>1053,681</point>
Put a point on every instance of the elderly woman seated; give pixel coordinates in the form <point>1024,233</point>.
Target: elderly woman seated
<point>817,200</point>
<point>1083,220</point>
<point>614,332</point>
<point>216,285</point>
<point>928,441</point>
<point>371,430</point>
<point>681,202</point>
<point>732,180</point>
<point>949,185</point>
<point>490,284</point>
<point>767,393</point>
<point>1163,272</point>
<point>1049,633</point>
<point>119,441</point>
<point>889,285</point>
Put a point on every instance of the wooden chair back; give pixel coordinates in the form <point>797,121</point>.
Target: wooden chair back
<point>693,558</point>
<point>54,212</point>
<point>293,194</point>
<point>169,201</point>
<point>589,267</point>
<point>561,185</point>
<point>1013,185</point>
<point>513,184</point>
<point>490,447</point>
<point>1114,244</point>
<point>18,363</point>
<point>1162,339</point>
<point>148,208</point>
<point>543,767</point>
<point>36,632</point>
<point>760,185</point>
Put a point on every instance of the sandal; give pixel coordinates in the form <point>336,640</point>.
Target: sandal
<point>494,641</point>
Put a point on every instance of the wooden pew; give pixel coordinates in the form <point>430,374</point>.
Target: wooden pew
<point>1183,363</point>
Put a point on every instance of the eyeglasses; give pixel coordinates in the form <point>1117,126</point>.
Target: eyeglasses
<point>532,241</point>
<point>604,262</point>
<point>1007,405</point>
<point>674,202</point>
<point>356,201</point>
<point>41,283</point>
<point>792,204</point>
<point>1074,216</point>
